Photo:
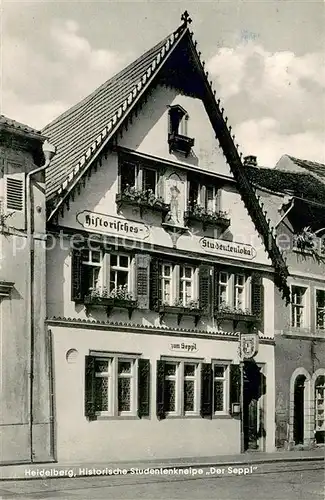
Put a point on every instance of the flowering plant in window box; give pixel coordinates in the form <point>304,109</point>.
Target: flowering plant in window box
<point>191,308</point>
<point>142,199</point>
<point>309,243</point>
<point>207,217</point>
<point>118,297</point>
<point>226,312</point>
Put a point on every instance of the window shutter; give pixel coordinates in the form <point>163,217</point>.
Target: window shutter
<point>206,390</point>
<point>234,386</point>
<point>257,294</point>
<point>205,288</point>
<point>155,285</point>
<point>160,395</point>
<point>90,387</point>
<point>143,388</point>
<point>15,192</point>
<point>76,275</point>
<point>215,289</point>
<point>142,269</point>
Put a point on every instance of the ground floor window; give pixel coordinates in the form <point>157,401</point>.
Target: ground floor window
<point>116,385</point>
<point>188,388</point>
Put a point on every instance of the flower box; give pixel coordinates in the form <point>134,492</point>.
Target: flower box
<point>200,214</point>
<point>180,143</point>
<point>110,303</point>
<point>181,311</point>
<point>142,200</point>
<point>236,317</point>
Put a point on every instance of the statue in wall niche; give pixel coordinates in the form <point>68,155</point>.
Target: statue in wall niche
<point>175,196</point>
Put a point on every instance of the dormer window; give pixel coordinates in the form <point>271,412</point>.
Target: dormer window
<point>178,129</point>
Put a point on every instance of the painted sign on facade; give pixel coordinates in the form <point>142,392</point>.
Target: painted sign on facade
<point>228,248</point>
<point>112,225</point>
<point>183,347</point>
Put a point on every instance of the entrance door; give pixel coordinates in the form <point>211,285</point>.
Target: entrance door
<point>253,409</point>
<point>298,412</point>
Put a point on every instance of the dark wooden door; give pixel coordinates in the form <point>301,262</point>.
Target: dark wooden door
<point>299,403</point>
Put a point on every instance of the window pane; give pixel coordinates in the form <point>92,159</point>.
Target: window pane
<point>101,365</point>
<point>124,366</point>
<point>218,395</point>
<point>210,199</point>
<point>149,179</point>
<point>219,371</point>
<point>170,395</point>
<point>223,278</point>
<point>193,193</point>
<point>127,176</point>
<point>122,278</point>
<point>170,369</point>
<point>189,370</point>
<point>95,256</point>
<point>188,272</point>
<point>101,394</point>
<point>320,298</point>
<point>85,255</point>
<point>166,270</point>
<point>124,394</point>
<point>240,280</point>
<point>189,395</point>
<point>124,261</point>
<point>166,291</point>
<point>113,260</point>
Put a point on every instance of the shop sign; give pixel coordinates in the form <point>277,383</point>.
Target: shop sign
<point>112,225</point>
<point>183,347</point>
<point>228,248</point>
<point>248,345</point>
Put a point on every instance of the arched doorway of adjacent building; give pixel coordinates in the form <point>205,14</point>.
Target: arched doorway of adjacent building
<point>298,410</point>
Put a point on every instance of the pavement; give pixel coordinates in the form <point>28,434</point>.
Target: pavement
<point>52,470</point>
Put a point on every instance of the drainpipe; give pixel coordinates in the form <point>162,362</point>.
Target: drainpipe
<point>49,151</point>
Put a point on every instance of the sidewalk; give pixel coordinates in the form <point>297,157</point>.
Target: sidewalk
<point>60,470</point>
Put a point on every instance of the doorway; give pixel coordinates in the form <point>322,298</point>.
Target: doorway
<point>254,391</point>
<point>298,409</point>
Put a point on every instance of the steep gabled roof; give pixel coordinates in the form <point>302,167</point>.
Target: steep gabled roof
<point>301,184</point>
<point>298,165</point>
<point>83,127</point>
<point>82,133</point>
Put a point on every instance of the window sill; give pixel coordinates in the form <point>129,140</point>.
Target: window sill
<point>182,417</point>
<point>116,417</point>
<point>222,416</point>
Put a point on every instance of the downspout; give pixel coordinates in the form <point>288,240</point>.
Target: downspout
<point>49,152</point>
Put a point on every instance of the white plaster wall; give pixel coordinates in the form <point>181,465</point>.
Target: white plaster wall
<point>116,440</point>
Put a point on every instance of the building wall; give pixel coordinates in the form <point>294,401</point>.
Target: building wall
<point>21,440</point>
<point>138,439</point>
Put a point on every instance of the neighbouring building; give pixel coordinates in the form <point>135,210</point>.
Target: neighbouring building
<point>293,195</point>
<point>159,255</point>
<point>25,421</point>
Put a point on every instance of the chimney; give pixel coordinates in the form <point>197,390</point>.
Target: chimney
<point>250,161</point>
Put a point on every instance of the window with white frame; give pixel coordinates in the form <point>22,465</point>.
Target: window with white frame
<point>239,291</point>
<point>320,309</point>
<point>115,386</point>
<point>223,289</point>
<point>119,272</point>
<point>181,388</point>
<point>220,388</point>
<point>136,176</point>
<point>91,269</point>
<point>186,285</point>
<point>206,196</point>
<point>298,306</point>
<point>320,403</point>
<point>166,284</point>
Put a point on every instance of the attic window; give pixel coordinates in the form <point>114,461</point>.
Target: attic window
<point>178,129</point>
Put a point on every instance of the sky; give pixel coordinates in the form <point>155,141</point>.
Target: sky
<point>265,58</point>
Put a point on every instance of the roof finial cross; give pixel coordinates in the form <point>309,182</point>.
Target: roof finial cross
<point>186,18</point>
